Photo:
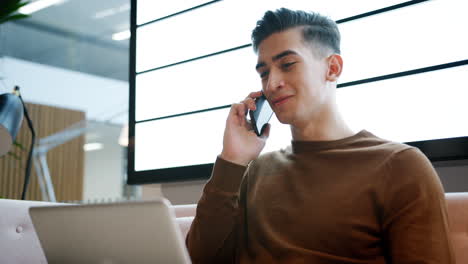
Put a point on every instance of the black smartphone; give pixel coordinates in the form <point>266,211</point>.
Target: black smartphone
<point>261,115</point>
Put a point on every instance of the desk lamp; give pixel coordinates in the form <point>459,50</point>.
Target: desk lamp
<point>11,117</point>
<point>12,109</point>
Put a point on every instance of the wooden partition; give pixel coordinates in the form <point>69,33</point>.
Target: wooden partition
<point>66,161</point>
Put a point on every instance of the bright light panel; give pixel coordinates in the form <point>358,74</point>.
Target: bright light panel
<point>179,141</point>
<point>191,139</point>
<point>229,77</point>
<point>112,11</point>
<point>413,108</point>
<point>213,81</point>
<point>149,10</point>
<point>414,37</point>
<point>335,9</point>
<point>412,41</point>
<point>123,35</point>
<point>92,146</point>
<point>39,5</point>
<point>193,34</point>
<point>218,26</point>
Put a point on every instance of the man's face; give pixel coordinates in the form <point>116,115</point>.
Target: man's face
<point>293,77</point>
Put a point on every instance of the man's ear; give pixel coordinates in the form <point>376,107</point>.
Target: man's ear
<point>335,66</point>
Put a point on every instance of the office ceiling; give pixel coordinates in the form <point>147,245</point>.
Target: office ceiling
<point>75,35</point>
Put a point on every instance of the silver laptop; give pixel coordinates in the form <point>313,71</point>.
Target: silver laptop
<point>130,232</point>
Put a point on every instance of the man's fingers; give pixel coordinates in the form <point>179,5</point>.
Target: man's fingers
<point>237,113</point>
<point>255,94</point>
<point>250,103</point>
<point>238,109</point>
<point>250,100</point>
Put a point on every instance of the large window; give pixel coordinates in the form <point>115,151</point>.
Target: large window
<point>405,77</point>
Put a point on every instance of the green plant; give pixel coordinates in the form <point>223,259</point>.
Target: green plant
<point>9,10</point>
<point>12,154</point>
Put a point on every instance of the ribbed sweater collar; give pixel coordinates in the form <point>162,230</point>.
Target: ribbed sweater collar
<point>311,146</point>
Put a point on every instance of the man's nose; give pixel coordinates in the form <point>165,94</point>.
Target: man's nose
<point>275,82</point>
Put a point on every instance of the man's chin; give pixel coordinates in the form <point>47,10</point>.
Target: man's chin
<point>285,120</point>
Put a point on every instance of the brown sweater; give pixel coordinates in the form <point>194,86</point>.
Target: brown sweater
<point>360,199</point>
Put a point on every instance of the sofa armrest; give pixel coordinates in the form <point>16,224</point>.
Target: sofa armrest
<point>18,239</point>
<point>457,206</point>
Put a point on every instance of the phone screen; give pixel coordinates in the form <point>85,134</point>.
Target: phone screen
<point>261,115</point>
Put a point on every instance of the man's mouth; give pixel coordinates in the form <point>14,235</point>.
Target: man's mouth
<point>281,100</point>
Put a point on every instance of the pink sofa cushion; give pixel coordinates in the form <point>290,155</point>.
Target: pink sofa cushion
<point>457,205</point>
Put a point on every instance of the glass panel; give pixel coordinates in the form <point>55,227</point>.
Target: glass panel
<point>165,143</point>
<point>199,32</point>
<point>393,45</point>
<point>213,81</point>
<point>179,141</point>
<point>423,35</point>
<point>212,28</point>
<point>413,108</point>
<point>336,9</point>
<point>148,10</point>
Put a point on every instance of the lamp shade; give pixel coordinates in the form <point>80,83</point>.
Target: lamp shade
<point>11,116</point>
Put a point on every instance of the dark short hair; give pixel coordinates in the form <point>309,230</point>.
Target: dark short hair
<point>317,29</point>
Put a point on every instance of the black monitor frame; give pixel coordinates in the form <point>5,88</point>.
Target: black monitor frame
<point>450,149</point>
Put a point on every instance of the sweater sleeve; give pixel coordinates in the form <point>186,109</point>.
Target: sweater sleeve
<point>214,233</point>
<point>415,221</point>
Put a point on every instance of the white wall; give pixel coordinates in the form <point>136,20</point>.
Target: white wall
<point>101,98</point>
<point>104,168</point>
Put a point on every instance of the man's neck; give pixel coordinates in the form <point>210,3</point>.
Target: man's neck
<point>326,126</point>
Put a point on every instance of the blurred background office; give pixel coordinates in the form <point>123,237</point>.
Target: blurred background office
<point>72,66</point>
<point>71,59</point>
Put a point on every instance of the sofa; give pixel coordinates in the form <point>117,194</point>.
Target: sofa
<point>19,242</point>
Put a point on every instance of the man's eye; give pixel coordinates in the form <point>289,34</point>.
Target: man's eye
<point>263,74</point>
<point>287,65</point>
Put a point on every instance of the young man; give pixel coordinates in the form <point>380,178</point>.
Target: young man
<point>333,196</point>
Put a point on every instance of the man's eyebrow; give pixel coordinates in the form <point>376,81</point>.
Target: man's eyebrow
<point>284,54</point>
<point>277,57</point>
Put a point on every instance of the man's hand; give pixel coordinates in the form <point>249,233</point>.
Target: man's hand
<point>240,143</point>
